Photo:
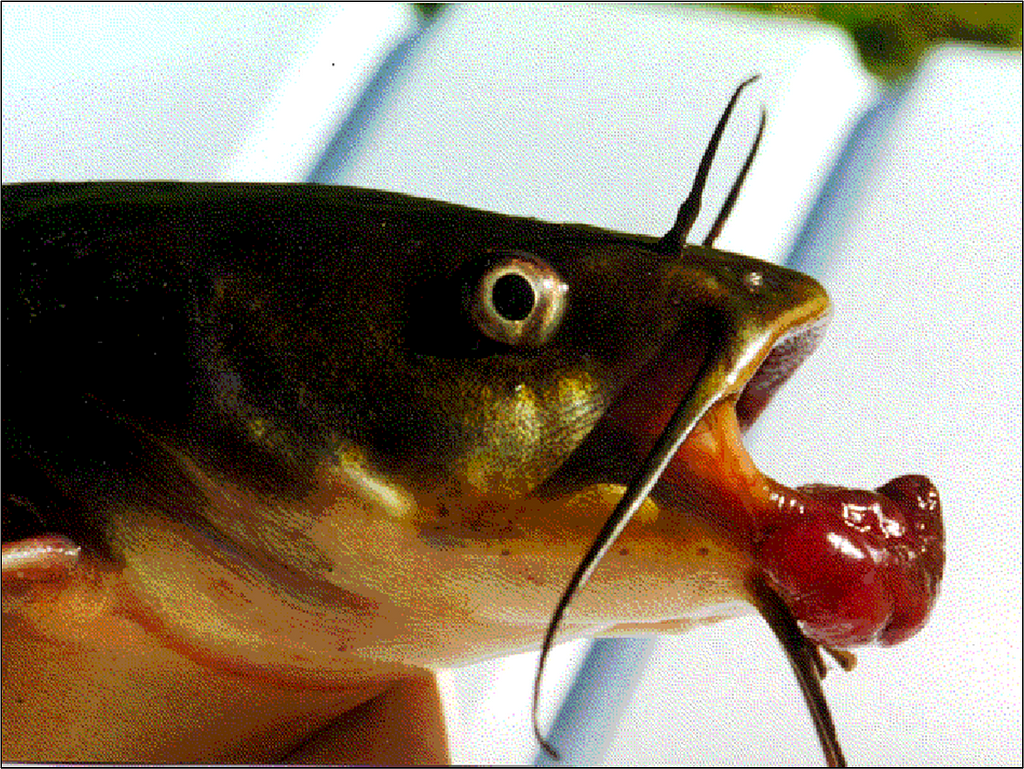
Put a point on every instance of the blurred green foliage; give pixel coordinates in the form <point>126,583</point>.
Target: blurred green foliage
<point>892,37</point>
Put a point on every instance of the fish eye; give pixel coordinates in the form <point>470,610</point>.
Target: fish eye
<point>519,300</point>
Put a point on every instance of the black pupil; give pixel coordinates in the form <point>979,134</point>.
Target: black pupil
<point>513,297</point>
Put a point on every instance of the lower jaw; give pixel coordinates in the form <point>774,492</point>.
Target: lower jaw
<point>713,477</point>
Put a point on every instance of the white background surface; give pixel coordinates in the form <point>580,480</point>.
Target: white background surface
<point>599,116</point>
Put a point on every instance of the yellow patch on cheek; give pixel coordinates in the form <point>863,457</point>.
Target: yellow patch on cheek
<point>507,431</point>
<point>597,502</point>
<point>575,386</point>
<point>530,433</point>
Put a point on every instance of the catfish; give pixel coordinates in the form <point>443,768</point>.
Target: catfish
<point>273,454</point>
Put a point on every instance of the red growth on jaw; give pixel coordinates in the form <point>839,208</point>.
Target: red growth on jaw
<point>857,567</point>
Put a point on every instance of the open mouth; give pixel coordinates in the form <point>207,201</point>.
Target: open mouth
<point>830,567</point>
<point>852,566</point>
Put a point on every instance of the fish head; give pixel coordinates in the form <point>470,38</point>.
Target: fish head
<point>501,454</point>
<point>423,414</point>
